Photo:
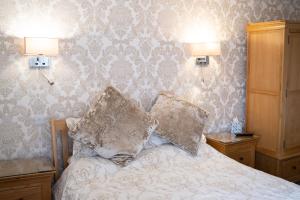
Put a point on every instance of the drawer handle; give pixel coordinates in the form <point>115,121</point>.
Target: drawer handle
<point>241,158</point>
<point>294,167</point>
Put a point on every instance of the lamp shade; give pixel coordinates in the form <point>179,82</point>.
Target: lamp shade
<point>41,46</point>
<point>205,49</point>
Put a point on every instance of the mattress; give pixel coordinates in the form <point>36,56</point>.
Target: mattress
<point>167,172</point>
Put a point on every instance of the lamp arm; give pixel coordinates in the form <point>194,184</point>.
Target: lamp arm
<point>49,81</point>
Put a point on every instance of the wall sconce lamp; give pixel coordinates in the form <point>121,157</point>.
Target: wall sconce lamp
<point>40,48</point>
<point>202,51</point>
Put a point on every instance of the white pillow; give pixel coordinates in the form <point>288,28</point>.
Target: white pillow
<point>203,138</point>
<point>71,122</point>
<point>154,141</point>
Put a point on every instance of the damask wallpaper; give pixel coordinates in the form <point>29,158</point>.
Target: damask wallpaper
<point>137,46</point>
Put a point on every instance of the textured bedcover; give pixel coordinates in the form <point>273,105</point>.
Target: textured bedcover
<point>166,172</point>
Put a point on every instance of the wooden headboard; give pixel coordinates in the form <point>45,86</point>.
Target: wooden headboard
<point>59,127</point>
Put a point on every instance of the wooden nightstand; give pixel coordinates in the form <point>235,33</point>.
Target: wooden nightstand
<point>241,149</point>
<point>26,179</point>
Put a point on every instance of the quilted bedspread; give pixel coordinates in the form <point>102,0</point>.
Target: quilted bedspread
<point>167,172</point>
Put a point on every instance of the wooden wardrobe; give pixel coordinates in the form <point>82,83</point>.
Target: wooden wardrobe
<point>273,96</point>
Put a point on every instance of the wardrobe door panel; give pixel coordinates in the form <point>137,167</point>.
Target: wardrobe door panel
<point>292,120</point>
<point>263,120</point>
<point>265,60</point>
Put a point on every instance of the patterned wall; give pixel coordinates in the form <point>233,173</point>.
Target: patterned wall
<point>135,45</point>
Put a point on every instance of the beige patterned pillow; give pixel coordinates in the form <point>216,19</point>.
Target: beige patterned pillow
<point>80,150</point>
<point>180,122</point>
<point>114,127</point>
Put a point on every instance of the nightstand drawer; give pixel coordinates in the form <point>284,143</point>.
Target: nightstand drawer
<point>22,193</point>
<point>241,149</point>
<point>244,157</point>
<point>291,167</point>
<point>246,146</point>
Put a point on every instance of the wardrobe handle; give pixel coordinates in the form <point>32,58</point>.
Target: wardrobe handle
<point>241,158</point>
<point>294,167</point>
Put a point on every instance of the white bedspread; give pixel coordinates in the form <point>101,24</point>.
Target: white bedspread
<point>166,172</point>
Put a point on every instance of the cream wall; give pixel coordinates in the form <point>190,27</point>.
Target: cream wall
<point>135,45</point>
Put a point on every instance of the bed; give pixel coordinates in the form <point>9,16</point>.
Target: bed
<point>164,172</point>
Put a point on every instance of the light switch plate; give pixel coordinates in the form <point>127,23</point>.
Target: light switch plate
<point>39,62</point>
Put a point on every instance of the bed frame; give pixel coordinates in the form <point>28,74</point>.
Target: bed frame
<point>59,127</point>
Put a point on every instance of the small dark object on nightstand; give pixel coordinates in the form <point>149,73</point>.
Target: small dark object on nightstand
<point>243,134</point>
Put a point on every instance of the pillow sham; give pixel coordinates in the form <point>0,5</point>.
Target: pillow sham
<point>180,121</point>
<point>80,150</point>
<point>114,127</point>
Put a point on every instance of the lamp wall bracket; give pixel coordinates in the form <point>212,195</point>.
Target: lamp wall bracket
<point>39,62</point>
<point>202,60</point>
